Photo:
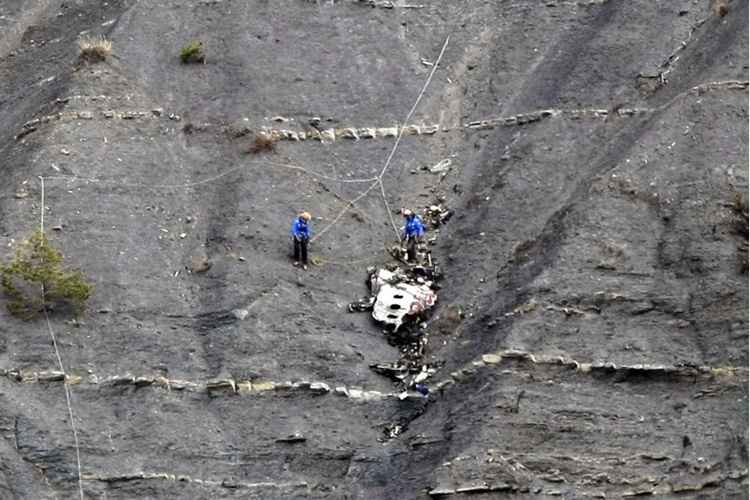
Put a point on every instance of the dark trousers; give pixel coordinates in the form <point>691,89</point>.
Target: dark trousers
<point>300,250</point>
<point>411,248</point>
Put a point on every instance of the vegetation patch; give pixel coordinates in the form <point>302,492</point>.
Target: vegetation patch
<point>94,48</point>
<point>193,53</point>
<point>720,7</point>
<point>740,228</point>
<point>520,251</point>
<point>263,143</point>
<point>36,280</point>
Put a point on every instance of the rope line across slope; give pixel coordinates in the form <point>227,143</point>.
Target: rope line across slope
<point>379,178</point>
<point>60,363</point>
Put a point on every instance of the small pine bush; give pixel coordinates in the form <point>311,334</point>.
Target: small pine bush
<point>193,53</point>
<point>36,266</point>
<point>95,49</point>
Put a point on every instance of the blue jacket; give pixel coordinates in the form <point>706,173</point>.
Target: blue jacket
<point>300,228</point>
<point>414,226</point>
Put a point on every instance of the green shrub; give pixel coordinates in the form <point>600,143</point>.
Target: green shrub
<point>193,53</point>
<point>36,266</point>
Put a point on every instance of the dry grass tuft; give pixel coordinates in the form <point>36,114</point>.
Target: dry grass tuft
<point>95,48</point>
<point>263,143</point>
<point>720,7</point>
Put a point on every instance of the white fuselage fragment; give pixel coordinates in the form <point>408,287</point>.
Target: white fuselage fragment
<point>396,299</point>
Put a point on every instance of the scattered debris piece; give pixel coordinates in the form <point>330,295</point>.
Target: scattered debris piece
<point>240,314</point>
<point>437,215</point>
<point>292,438</point>
<point>396,371</point>
<point>392,430</point>
<point>410,374</point>
<point>441,166</point>
<point>362,305</point>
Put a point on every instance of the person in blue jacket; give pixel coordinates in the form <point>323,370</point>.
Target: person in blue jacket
<point>413,232</point>
<point>300,237</point>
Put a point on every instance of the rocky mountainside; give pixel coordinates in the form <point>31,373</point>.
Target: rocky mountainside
<point>591,332</point>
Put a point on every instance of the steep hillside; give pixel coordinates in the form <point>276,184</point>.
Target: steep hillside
<point>598,252</point>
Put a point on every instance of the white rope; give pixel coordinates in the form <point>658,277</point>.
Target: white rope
<point>348,205</point>
<point>414,107</point>
<point>379,179</point>
<point>67,399</point>
<point>376,181</point>
<point>75,178</point>
<point>401,133</point>
<point>322,176</point>
<point>41,223</point>
<point>388,209</point>
<point>60,363</point>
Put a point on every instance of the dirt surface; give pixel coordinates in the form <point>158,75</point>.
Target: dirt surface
<point>596,253</point>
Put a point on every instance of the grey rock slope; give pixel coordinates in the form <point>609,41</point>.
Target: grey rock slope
<point>597,148</point>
